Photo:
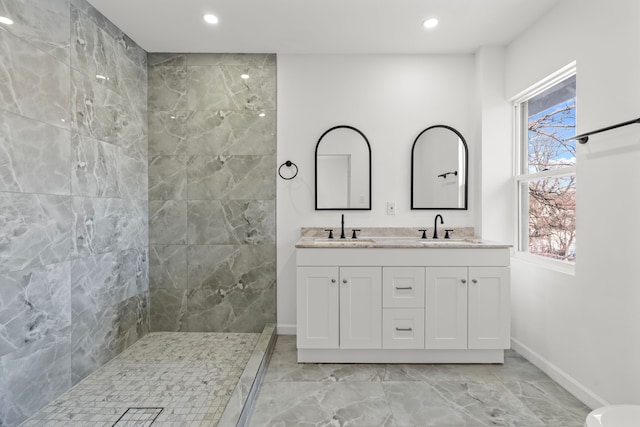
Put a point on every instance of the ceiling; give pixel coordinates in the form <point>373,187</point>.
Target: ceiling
<point>322,26</point>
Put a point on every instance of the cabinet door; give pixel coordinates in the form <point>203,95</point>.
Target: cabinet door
<point>489,307</point>
<point>403,287</point>
<point>446,308</point>
<point>360,307</point>
<point>318,307</point>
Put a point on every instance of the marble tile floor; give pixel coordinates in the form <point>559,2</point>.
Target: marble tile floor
<point>189,376</point>
<point>359,395</point>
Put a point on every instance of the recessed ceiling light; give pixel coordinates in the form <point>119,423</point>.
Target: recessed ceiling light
<point>244,76</point>
<point>101,77</point>
<point>430,23</point>
<point>5,20</point>
<point>210,19</point>
<point>262,114</point>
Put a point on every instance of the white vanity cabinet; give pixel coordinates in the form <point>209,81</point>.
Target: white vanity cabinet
<point>396,305</point>
<point>467,307</point>
<point>339,307</point>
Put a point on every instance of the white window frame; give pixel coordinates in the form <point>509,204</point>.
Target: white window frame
<point>520,176</point>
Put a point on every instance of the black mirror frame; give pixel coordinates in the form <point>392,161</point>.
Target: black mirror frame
<point>316,170</point>
<point>466,171</point>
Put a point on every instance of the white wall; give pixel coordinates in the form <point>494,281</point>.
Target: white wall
<point>391,99</point>
<point>585,329</point>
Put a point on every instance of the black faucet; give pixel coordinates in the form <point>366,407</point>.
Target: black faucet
<point>435,225</point>
<point>342,236</point>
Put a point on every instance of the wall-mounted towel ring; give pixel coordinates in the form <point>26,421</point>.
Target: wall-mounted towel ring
<point>288,164</point>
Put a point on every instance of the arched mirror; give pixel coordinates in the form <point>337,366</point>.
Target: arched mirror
<point>439,175</point>
<point>343,170</point>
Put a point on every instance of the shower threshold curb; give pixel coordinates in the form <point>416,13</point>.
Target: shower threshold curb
<point>240,405</point>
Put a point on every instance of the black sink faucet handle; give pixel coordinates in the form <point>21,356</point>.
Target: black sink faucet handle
<point>446,233</point>
<point>424,233</point>
<point>354,235</point>
<point>330,233</point>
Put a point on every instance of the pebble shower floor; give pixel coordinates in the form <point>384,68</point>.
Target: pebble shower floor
<point>165,379</point>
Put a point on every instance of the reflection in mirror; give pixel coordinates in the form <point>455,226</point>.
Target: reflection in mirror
<point>439,177</point>
<point>343,170</point>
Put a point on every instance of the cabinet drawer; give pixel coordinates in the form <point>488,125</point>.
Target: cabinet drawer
<point>403,287</point>
<point>402,328</point>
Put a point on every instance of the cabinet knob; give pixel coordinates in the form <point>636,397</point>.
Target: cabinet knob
<point>333,280</point>
<point>344,281</point>
<point>463,280</point>
<point>474,281</point>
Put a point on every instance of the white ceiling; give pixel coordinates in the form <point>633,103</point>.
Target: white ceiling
<point>322,26</point>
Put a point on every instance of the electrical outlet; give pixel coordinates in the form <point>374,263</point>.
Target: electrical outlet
<point>391,208</point>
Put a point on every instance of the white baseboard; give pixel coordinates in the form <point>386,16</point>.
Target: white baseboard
<point>286,329</point>
<point>589,398</point>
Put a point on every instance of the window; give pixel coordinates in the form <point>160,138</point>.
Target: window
<point>545,168</point>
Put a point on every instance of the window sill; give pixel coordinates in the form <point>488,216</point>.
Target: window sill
<point>547,263</point>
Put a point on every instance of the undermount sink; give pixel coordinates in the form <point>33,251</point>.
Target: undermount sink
<point>444,242</point>
<point>344,242</point>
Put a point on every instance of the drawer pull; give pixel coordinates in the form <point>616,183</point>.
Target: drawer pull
<point>404,288</point>
<point>404,329</point>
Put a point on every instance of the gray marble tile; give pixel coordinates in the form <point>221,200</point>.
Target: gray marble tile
<point>168,88</point>
<point>487,402</point>
<point>419,404</point>
<point>43,23</point>
<point>97,225</point>
<point>95,286</point>
<point>166,59</point>
<point>93,51</point>
<point>99,336</point>
<point>167,222</point>
<point>33,376</point>
<point>229,267</point>
<point>168,267</point>
<point>221,88</point>
<point>438,372</point>
<point>550,403</point>
<point>229,132</point>
<point>134,225</point>
<point>168,132</point>
<point>133,135</point>
<point>34,156</point>
<point>518,368</point>
<point>231,177</point>
<point>134,178</point>
<point>133,272</point>
<point>167,177</point>
<point>283,367</point>
<point>98,111</point>
<point>231,222</point>
<point>240,59</point>
<point>232,288</point>
<point>95,169</point>
<point>307,404</point>
<point>34,230</point>
<point>34,303</point>
<point>99,47</point>
<point>168,310</point>
<point>33,83</point>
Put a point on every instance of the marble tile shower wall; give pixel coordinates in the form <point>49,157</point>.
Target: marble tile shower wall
<point>73,199</point>
<point>212,144</point>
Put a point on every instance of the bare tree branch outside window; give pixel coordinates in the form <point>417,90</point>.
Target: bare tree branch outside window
<point>552,201</point>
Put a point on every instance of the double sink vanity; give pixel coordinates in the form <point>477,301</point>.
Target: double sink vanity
<point>390,296</point>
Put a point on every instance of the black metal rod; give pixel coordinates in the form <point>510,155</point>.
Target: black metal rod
<point>584,137</point>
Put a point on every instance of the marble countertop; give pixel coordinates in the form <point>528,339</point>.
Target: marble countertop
<point>402,242</point>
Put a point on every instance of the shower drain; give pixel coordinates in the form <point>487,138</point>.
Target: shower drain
<point>138,417</point>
